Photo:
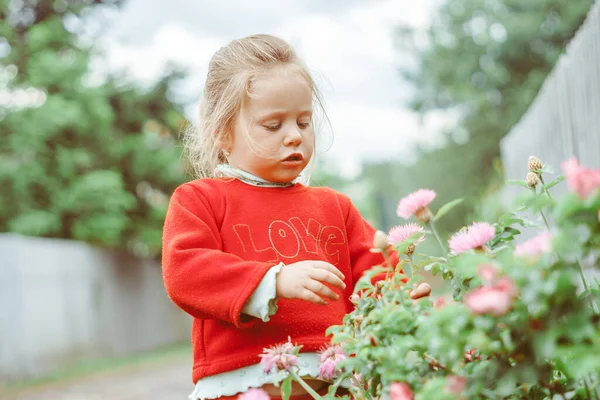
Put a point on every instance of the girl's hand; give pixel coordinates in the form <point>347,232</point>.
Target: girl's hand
<point>305,280</point>
<point>423,290</point>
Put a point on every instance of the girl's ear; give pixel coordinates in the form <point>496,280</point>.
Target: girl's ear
<point>226,144</point>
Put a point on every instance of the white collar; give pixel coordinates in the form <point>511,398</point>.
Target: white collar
<point>227,171</point>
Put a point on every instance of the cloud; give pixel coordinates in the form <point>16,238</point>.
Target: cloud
<point>170,44</point>
<point>349,45</point>
<point>378,133</point>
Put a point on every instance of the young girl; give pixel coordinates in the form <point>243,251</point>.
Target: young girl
<point>251,253</point>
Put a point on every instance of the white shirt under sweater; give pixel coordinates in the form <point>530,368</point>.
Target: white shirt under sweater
<point>261,305</point>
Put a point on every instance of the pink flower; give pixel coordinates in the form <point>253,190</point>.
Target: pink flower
<point>358,381</point>
<point>329,360</point>
<point>581,180</point>
<point>416,203</point>
<point>469,355</point>
<point>439,303</point>
<point>455,384</point>
<point>474,237</point>
<point>281,356</point>
<point>487,272</point>
<point>402,233</point>
<point>401,391</point>
<point>506,285</point>
<point>254,394</point>
<point>495,300</point>
<point>536,246</point>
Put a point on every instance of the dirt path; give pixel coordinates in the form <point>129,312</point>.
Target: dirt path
<point>167,380</point>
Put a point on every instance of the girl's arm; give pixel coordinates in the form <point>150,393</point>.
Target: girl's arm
<point>199,277</point>
<point>360,241</point>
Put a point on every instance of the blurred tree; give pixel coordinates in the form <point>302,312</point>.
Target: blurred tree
<point>486,59</point>
<point>80,160</point>
<point>489,58</point>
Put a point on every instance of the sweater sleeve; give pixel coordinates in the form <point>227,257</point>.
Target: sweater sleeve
<point>199,276</point>
<point>360,240</point>
<point>263,302</point>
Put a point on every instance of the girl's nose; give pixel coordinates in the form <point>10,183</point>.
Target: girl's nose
<point>293,137</point>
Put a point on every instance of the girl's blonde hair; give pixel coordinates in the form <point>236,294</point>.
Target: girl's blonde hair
<point>230,72</point>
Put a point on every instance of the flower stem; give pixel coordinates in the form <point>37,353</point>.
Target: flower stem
<point>543,189</point>
<point>587,389</point>
<point>305,385</point>
<point>545,220</point>
<point>339,381</point>
<point>585,285</point>
<point>362,390</point>
<point>411,266</point>
<point>433,362</point>
<point>386,257</point>
<point>437,237</point>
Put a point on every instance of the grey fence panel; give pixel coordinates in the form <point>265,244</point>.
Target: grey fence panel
<point>564,119</point>
<point>62,302</point>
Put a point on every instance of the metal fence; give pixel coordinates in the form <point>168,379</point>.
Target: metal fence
<point>63,302</point>
<point>564,119</point>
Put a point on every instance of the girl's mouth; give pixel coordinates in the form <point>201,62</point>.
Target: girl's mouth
<point>293,159</point>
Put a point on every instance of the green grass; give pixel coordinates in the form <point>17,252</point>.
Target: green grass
<point>90,367</point>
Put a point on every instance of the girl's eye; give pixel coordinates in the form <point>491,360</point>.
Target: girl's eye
<point>272,127</point>
<point>303,125</point>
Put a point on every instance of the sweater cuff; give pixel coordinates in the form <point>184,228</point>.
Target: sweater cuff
<point>263,304</point>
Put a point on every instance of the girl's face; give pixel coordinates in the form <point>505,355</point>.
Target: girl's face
<point>273,136</point>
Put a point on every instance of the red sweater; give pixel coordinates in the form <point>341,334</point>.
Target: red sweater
<point>221,236</point>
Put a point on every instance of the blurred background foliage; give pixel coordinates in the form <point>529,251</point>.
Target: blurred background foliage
<point>84,159</point>
<point>96,160</point>
<point>486,61</point>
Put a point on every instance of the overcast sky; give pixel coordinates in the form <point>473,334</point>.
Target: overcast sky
<point>347,44</point>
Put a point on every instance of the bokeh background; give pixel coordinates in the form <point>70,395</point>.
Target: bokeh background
<point>94,95</point>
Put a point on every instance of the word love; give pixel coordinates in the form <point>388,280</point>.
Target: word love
<point>288,239</point>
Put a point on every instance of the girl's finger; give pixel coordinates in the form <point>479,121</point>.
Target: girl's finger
<point>424,289</point>
<point>323,275</point>
<point>328,267</point>
<point>322,290</point>
<point>313,298</point>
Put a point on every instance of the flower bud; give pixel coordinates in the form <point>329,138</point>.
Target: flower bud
<point>455,384</point>
<point>358,320</point>
<point>380,241</point>
<point>532,179</point>
<point>424,215</point>
<point>534,164</point>
<point>440,302</point>
<point>355,298</point>
<point>372,340</point>
<point>535,324</point>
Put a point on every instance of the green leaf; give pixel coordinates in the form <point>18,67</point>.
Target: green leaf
<point>569,205</point>
<point>408,270</point>
<point>519,182</point>
<point>547,169</point>
<point>553,183</point>
<point>286,388</point>
<point>430,266</point>
<point>446,207</point>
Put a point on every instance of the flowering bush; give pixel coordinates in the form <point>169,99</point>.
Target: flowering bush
<point>523,321</point>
